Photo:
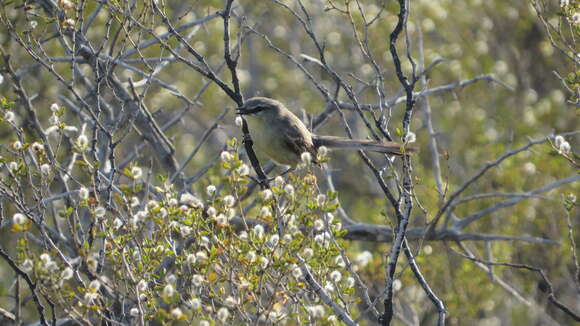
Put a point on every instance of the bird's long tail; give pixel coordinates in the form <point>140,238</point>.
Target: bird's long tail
<point>387,147</point>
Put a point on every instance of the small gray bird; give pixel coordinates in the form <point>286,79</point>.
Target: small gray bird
<point>278,133</point>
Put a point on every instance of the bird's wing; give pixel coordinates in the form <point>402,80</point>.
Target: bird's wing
<point>299,140</point>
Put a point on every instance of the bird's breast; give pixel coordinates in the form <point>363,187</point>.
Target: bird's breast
<point>269,139</point>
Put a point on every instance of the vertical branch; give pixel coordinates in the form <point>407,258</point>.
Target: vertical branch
<point>248,144</point>
<point>408,86</point>
<point>232,63</point>
<point>403,219</point>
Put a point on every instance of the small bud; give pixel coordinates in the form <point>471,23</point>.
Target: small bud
<point>100,211</point>
<point>335,276</point>
<point>529,168</point>
<point>13,166</point>
<point>37,147</point>
<point>350,282</point>
<point>45,169</point>
<point>9,116</point>
<point>204,241</point>
<point>239,122</point>
<point>168,290</point>
<point>243,170</point>
<point>210,190</point>
<point>69,23</point>
<point>17,145</point>
<point>117,223</point>
<point>229,201</point>
<point>279,182</point>
<point>66,274</point>
<point>264,262</point>
<point>306,158</point>
<point>83,193</point>
<point>66,4</point>
<point>308,253</point>
<point>258,231</point>
<point>243,235</point>
<point>226,156</point>
<point>397,285</point>
<point>19,219</point>
<point>134,202</point>
<point>323,151</point>
<point>195,304</point>
<point>90,297</point>
<point>201,256</point>
<point>95,285</point>
<point>223,314</point>
<point>328,287</point>
<point>410,137</point>
<point>364,258</point>
<point>54,119</point>
<point>274,238</point>
<point>190,200</point>
<point>70,130</point>
<point>231,302</point>
<point>328,217</point>
<point>134,312</point>
<point>27,266</point>
<point>171,278</point>
<point>51,130</point>
<point>319,239</point>
<point>318,225</point>
<point>265,212</point>
<point>251,256</point>
<point>197,280</point>
<point>211,211</point>
<point>296,271</point>
<point>136,172</point>
<point>54,107</point>
<point>92,263</point>
<point>564,148</point>
<point>266,194</point>
<point>152,204</point>
<point>221,219</point>
<point>176,313</point>
<point>289,189</point>
<point>191,259</point>
<point>45,258</point>
<point>82,141</point>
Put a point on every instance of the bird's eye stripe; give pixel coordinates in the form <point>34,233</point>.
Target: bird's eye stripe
<point>253,110</point>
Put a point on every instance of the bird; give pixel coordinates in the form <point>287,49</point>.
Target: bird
<point>283,137</point>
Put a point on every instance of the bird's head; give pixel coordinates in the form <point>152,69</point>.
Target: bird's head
<point>259,106</point>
